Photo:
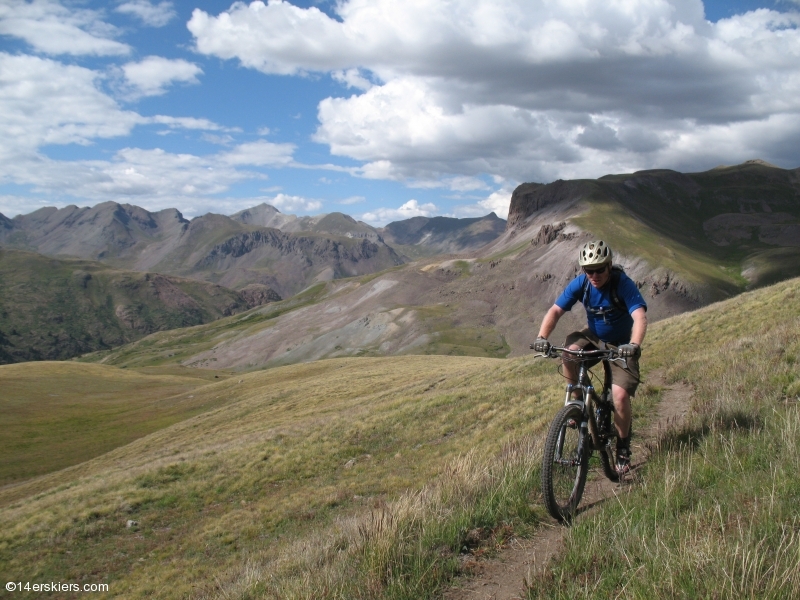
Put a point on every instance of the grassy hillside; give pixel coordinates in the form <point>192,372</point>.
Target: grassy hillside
<point>445,333</point>
<point>52,309</point>
<point>365,478</point>
<point>59,414</point>
<point>292,451</point>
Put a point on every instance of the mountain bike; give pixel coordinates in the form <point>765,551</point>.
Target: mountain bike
<point>580,428</point>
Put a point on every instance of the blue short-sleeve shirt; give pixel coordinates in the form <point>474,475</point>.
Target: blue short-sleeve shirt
<point>607,322</point>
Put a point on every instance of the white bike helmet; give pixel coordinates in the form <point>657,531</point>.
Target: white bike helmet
<point>594,254</point>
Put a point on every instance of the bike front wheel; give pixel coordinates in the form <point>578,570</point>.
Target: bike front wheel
<point>565,464</point>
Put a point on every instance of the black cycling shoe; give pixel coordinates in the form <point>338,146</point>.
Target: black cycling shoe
<point>623,460</point>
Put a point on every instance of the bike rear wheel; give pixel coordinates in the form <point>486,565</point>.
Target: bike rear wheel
<point>565,464</point>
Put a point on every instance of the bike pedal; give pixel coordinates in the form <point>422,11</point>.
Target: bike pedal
<point>623,462</point>
<point>572,424</point>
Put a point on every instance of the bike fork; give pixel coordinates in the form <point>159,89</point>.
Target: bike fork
<point>582,437</point>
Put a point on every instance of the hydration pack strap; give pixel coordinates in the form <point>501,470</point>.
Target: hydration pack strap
<point>615,299</point>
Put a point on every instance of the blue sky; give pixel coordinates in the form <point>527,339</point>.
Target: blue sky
<point>380,108</point>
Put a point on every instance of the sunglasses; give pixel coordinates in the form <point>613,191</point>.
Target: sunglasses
<point>595,271</point>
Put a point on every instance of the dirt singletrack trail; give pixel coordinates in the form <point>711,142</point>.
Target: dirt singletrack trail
<point>503,577</point>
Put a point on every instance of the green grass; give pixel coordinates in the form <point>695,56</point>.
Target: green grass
<point>450,338</point>
<point>60,414</point>
<point>364,279</point>
<point>268,468</point>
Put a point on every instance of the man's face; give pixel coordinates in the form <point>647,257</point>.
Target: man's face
<point>598,276</point>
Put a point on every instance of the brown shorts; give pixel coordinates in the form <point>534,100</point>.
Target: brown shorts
<point>627,379</point>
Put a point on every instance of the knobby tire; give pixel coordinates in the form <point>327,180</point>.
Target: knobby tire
<point>607,458</point>
<point>563,471</point>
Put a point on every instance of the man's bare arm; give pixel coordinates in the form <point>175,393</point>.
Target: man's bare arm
<point>639,325</point>
<point>550,320</point>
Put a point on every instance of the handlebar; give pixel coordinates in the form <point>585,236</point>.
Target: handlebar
<point>610,354</point>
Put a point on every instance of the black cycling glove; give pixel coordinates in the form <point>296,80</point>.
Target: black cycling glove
<point>629,350</point>
<point>541,345</point>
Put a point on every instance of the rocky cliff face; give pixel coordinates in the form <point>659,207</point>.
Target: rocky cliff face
<point>337,251</point>
<point>711,201</point>
<point>531,198</point>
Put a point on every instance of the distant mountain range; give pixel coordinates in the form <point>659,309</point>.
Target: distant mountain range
<point>257,255</point>
<point>687,239</point>
<point>259,245</point>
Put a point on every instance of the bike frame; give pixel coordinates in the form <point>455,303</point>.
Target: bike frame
<point>589,397</point>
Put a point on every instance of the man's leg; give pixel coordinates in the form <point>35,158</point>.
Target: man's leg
<point>622,411</point>
<point>622,420</point>
<point>571,370</point>
<point>576,340</point>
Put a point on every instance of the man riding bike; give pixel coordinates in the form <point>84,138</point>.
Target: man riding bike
<point>617,315</point>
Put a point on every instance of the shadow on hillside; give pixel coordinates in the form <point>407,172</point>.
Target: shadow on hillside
<point>691,434</point>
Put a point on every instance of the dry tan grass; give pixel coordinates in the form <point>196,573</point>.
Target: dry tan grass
<point>293,451</point>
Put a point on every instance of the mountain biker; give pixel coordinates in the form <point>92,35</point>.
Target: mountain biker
<point>609,322</point>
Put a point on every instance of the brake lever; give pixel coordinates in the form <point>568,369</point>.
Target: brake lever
<point>624,361</point>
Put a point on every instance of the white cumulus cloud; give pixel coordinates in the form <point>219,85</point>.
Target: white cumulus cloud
<point>52,28</point>
<point>498,203</point>
<point>45,102</point>
<point>154,15</point>
<point>352,78</point>
<point>529,89</point>
<point>260,153</point>
<point>294,204</point>
<point>152,75</point>
<point>412,208</point>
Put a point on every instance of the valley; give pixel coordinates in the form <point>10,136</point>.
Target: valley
<point>55,309</point>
